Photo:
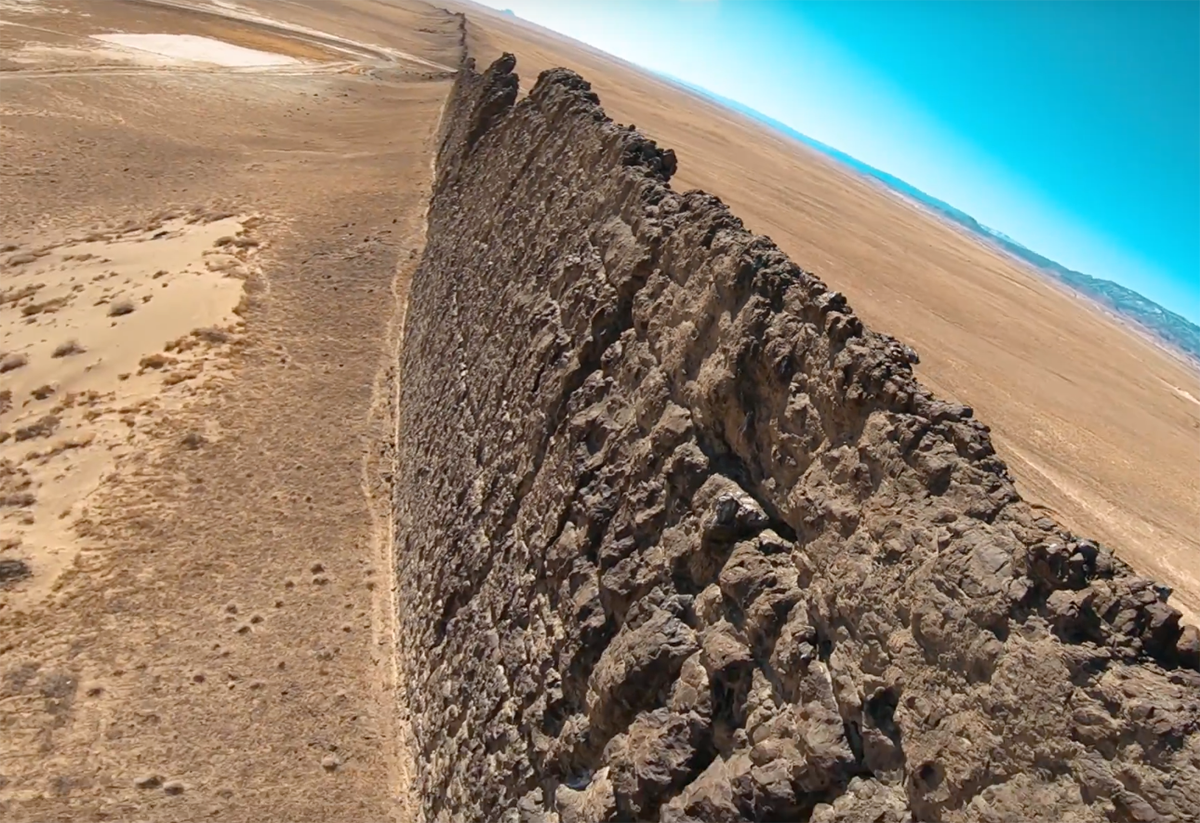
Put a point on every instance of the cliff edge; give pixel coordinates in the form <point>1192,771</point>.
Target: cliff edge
<point>678,539</point>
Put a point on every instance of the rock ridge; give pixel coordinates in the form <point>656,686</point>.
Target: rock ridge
<point>678,539</point>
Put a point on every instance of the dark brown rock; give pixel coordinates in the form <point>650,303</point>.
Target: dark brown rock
<point>679,539</point>
<point>1187,648</point>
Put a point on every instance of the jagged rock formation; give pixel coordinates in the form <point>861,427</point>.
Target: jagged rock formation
<point>680,540</point>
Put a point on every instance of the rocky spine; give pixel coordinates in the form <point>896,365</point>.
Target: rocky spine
<point>678,539</point>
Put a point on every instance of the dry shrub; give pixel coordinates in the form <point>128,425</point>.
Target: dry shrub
<point>211,334</point>
<point>15,295</point>
<point>68,348</point>
<point>243,306</point>
<point>13,360</point>
<point>155,361</point>
<point>45,307</point>
<point>182,344</point>
<point>13,570</point>
<point>44,426</point>
<point>120,307</point>
<point>193,440</point>
<point>63,446</point>
<point>179,376</point>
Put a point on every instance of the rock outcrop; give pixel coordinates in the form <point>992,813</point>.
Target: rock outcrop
<point>680,540</point>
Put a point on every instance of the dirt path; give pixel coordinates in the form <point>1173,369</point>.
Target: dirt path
<point>222,645</point>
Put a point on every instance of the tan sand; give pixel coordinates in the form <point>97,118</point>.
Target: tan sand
<point>208,628</point>
<point>111,331</point>
<point>194,49</point>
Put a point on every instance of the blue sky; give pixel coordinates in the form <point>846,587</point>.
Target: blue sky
<point>1072,127</point>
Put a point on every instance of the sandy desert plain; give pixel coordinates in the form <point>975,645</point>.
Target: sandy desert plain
<point>210,214</point>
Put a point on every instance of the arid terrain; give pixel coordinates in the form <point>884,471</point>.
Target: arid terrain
<point>202,276</point>
<point>211,214</point>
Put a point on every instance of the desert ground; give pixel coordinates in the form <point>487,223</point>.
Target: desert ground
<point>211,212</point>
<point>206,242</point>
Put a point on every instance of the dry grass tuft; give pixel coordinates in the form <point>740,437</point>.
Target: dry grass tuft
<point>67,349</point>
<point>211,334</point>
<point>179,376</point>
<point>13,570</point>
<point>193,440</point>
<point>15,295</point>
<point>45,307</point>
<point>155,361</point>
<point>44,426</point>
<point>13,360</point>
<point>120,307</point>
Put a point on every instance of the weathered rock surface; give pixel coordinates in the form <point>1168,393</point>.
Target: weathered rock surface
<point>680,540</point>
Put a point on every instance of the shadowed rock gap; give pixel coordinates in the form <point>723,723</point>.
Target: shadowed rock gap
<point>680,540</point>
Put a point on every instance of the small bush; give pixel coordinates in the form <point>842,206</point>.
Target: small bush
<point>13,570</point>
<point>155,361</point>
<point>67,349</point>
<point>211,334</point>
<point>193,440</point>
<point>45,307</point>
<point>43,427</point>
<point>15,360</point>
